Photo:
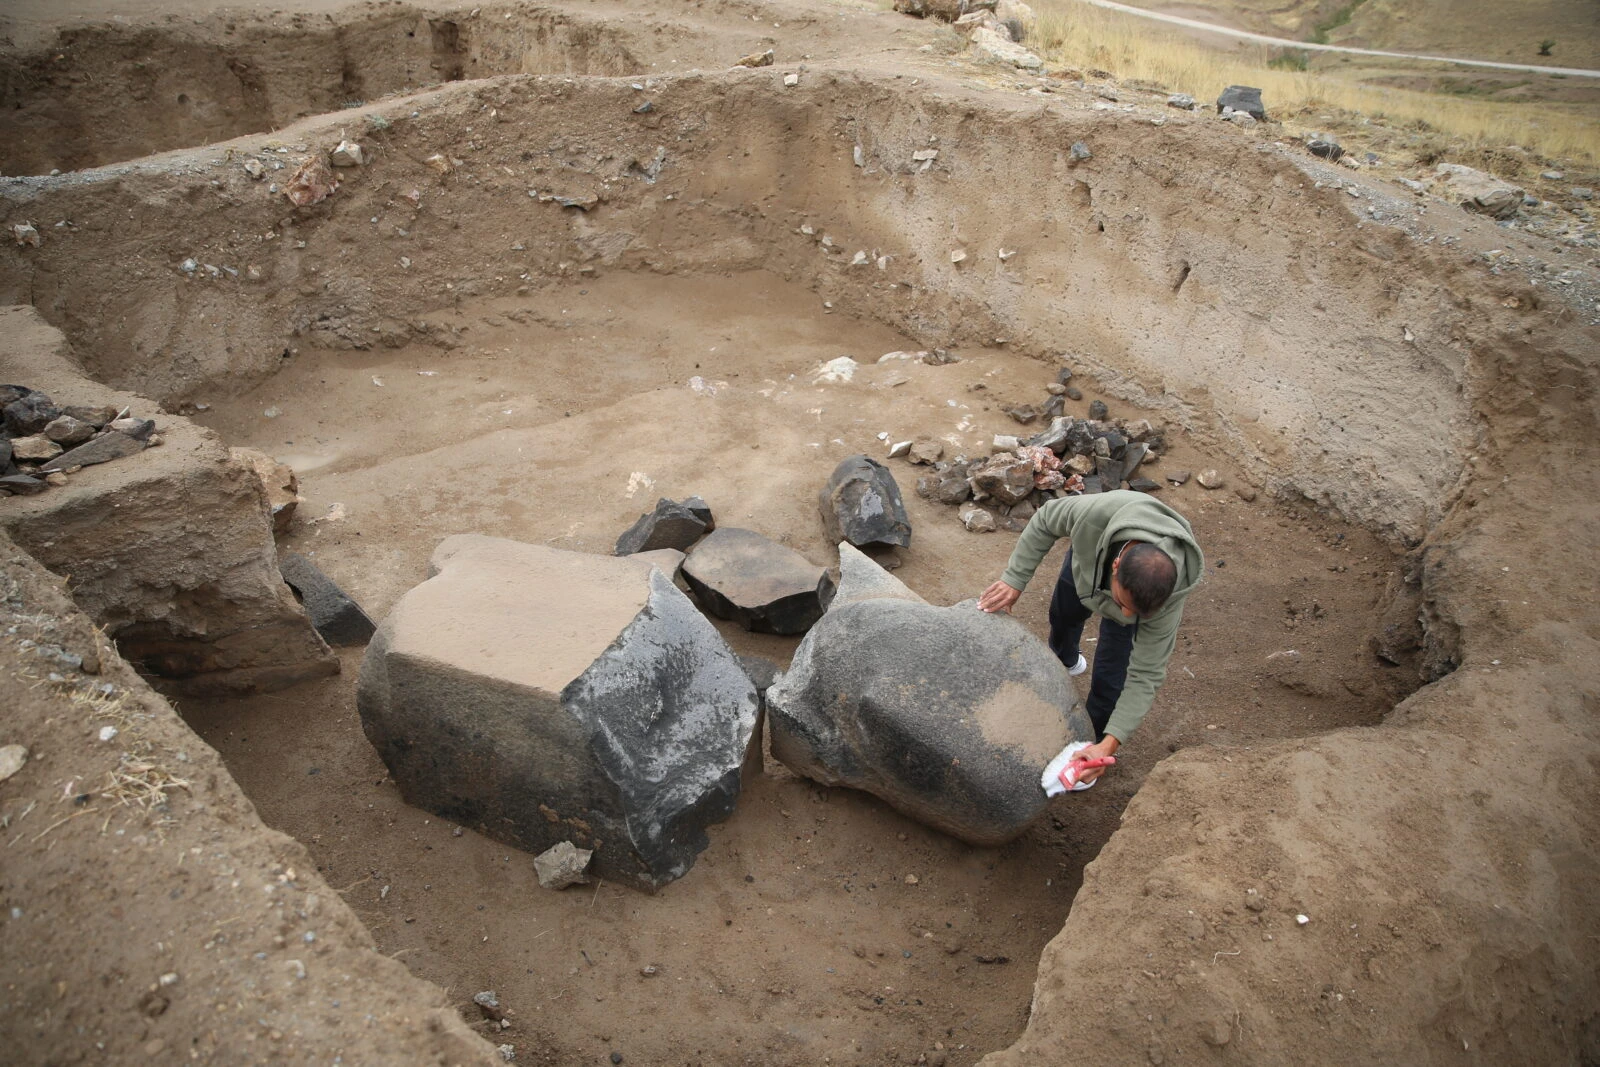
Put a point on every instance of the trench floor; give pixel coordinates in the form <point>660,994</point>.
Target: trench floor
<point>819,926</point>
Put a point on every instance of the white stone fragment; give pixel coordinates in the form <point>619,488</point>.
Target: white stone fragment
<point>347,154</point>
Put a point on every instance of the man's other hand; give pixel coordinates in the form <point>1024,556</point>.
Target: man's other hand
<point>998,597</point>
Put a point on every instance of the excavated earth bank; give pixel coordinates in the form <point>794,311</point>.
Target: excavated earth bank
<point>444,349</point>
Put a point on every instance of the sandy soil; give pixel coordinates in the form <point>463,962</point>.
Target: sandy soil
<point>513,392</point>
<point>796,937</point>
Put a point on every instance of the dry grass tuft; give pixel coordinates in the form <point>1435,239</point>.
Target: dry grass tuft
<point>1073,34</point>
<point>136,780</point>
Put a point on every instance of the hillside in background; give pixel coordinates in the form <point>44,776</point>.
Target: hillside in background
<point>1473,29</point>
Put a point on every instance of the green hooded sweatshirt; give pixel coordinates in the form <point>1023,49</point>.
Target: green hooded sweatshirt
<point>1093,524</point>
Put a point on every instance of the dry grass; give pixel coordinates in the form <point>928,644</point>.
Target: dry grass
<point>1072,34</point>
<point>136,780</point>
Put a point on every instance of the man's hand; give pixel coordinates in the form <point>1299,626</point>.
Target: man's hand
<point>1105,747</point>
<point>998,597</point>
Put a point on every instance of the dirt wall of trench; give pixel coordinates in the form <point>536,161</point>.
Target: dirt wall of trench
<point>1158,266</point>
<point>1443,861</point>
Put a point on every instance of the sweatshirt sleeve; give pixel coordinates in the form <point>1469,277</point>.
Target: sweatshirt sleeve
<point>1048,525</point>
<point>1147,669</point>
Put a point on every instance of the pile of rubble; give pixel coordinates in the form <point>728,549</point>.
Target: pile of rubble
<point>1072,456</point>
<point>42,443</point>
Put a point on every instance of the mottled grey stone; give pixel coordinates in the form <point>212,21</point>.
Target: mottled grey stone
<point>542,696</point>
<point>30,414</point>
<point>740,575</point>
<point>670,525</point>
<point>336,617</point>
<point>97,417</point>
<point>66,430</point>
<point>861,504</point>
<point>947,714</point>
<point>1243,98</point>
<point>21,485</point>
<point>108,446</point>
<point>1004,478</point>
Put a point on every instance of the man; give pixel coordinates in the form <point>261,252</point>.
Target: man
<point>1133,562</point>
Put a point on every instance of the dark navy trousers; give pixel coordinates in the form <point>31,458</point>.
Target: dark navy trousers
<point>1067,617</point>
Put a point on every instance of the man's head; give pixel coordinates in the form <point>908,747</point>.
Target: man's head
<point>1142,577</point>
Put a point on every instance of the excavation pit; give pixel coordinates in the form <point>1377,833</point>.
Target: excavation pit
<point>541,305</point>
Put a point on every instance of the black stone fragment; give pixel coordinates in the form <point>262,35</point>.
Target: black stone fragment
<point>22,485</point>
<point>670,525</point>
<point>861,504</point>
<point>335,616</point>
<point>1244,98</point>
<point>30,414</point>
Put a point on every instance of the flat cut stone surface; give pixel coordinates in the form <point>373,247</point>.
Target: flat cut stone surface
<point>740,575</point>
<point>540,696</point>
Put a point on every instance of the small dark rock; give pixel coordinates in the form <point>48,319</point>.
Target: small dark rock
<point>1097,410</point>
<point>1144,485</point>
<point>22,485</point>
<point>30,414</point>
<point>1053,407</point>
<point>1326,147</point>
<point>1080,152</point>
<point>1023,413</point>
<point>1074,393</point>
<point>1179,477</point>
<point>702,511</point>
<point>616,1057</point>
<point>1063,376</point>
<point>1243,98</point>
<point>670,525</point>
<point>335,616</point>
<point>861,504</point>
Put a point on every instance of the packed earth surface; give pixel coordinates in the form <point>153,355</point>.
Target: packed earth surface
<point>583,262</point>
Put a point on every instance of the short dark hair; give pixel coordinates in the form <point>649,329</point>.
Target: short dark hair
<point>1148,574</point>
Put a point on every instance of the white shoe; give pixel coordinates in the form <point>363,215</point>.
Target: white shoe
<point>1078,667</point>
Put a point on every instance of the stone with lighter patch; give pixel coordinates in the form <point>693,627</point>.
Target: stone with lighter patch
<point>861,504</point>
<point>337,617</point>
<point>944,713</point>
<point>540,696</point>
